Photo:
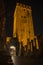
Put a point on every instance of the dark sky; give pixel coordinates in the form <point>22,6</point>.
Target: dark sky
<point>37,12</point>
<point>38,17</point>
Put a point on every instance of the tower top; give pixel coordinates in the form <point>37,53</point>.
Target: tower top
<point>23,5</point>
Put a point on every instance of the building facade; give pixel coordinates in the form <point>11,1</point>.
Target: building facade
<point>23,25</point>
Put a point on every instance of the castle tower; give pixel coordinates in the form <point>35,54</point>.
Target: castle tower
<point>23,23</point>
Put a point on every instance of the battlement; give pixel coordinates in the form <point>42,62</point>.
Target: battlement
<point>23,5</point>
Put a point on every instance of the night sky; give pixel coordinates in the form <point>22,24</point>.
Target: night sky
<point>37,12</point>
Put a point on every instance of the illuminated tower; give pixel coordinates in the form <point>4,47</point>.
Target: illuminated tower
<point>23,23</point>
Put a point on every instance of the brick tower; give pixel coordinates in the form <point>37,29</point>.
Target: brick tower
<point>23,24</point>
